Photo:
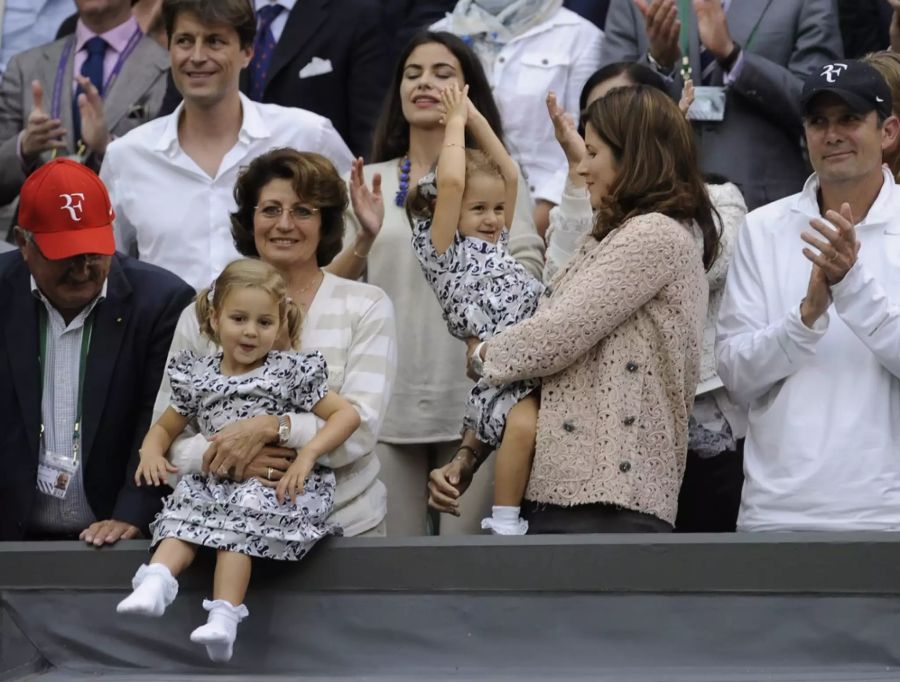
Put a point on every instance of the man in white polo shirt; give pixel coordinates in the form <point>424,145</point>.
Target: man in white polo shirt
<point>172,180</point>
<point>809,328</point>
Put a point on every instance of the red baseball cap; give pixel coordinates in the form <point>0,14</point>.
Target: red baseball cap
<point>67,209</point>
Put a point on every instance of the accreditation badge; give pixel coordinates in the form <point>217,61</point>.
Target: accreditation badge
<point>709,104</point>
<point>55,472</point>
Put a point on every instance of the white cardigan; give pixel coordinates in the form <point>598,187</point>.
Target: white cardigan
<point>352,324</point>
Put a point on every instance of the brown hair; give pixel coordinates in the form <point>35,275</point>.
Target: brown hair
<point>249,273</point>
<point>888,65</point>
<point>238,14</point>
<point>477,163</point>
<point>314,179</point>
<point>653,145</point>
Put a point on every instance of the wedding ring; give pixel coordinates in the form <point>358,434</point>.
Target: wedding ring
<point>268,473</point>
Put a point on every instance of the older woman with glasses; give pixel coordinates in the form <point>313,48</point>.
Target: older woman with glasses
<point>290,213</point>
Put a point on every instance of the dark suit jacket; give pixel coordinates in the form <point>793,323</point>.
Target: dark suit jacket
<point>757,146</point>
<point>132,331</point>
<point>349,34</point>
<point>592,10</point>
<point>865,26</point>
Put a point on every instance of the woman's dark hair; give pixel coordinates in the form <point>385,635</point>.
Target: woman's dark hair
<point>314,179</point>
<point>638,74</point>
<point>238,14</point>
<point>653,145</point>
<point>391,139</point>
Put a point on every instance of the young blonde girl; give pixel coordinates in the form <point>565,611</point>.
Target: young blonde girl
<point>460,217</point>
<point>247,313</point>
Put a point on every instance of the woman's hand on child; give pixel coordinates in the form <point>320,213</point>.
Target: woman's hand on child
<point>566,131</point>
<point>455,104</point>
<point>294,480</point>
<point>235,446</point>
<point>368,205</point>
<point>154,470</point>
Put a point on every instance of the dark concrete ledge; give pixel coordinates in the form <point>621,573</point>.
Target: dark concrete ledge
<point>764,563</point>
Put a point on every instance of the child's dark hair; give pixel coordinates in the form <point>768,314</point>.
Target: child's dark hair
<point>420,205</point>
<point>249,273</point>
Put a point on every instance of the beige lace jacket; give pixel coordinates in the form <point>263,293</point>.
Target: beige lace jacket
<point>617,343</point>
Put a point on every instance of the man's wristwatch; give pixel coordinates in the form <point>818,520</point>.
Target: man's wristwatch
<point>477,361</point>
<point>284,429</point>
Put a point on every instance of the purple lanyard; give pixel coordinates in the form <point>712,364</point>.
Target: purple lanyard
<point>69,49</point>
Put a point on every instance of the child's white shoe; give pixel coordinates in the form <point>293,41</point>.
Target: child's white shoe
<point>154,589</point>
<point>220,630</point>
<point>505,521</point>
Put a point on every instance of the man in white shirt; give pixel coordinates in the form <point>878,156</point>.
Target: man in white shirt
<point>809,334</point>
<point>171,181</point>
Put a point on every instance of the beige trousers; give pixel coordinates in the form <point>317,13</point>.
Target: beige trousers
<point>404,471</point>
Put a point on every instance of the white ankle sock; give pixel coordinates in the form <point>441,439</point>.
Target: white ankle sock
<point>505,521</point>
<point>220,630</point>
<point>154,589</point>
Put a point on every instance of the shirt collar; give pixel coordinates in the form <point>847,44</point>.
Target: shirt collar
<point>882,210</point>
<point>39,295</point>
<point>117,37</point>
<point>253,126</point>
<point>287,4</point>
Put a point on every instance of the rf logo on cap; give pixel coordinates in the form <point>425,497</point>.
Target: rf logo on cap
<point>75,210</point>
<point>831,72</point>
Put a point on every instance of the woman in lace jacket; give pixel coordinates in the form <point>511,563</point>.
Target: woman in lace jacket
<point>711,490</point>
<point>617,341</point>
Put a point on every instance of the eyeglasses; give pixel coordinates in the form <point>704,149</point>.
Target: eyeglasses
<point>299,214</point>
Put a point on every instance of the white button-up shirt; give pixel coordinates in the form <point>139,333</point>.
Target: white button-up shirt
<point>169,212</point>
<point>823,445</point>
<point>559,54</point>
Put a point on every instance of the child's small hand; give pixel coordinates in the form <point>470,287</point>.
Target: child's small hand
<point>154,470</point>
<point>455,104</point>
<point>294,480</point>
<point>687,97</point>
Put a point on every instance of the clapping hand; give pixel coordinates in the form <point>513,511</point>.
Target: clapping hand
<point>368,205</point>
<point>566,132</point>
<point>94,131</point>
<point>42,133</point>
<point>837,252</point>
<point>663,29</point>
<point>454,104</point>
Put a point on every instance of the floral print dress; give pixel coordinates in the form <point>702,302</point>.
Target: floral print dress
<point>482,290</point>
<point>247,517</point>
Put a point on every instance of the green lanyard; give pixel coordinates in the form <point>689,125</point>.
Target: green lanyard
<point>86,332</point>
<point>686,14</point>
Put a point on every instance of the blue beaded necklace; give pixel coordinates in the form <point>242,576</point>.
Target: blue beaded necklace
<point>400,197</point>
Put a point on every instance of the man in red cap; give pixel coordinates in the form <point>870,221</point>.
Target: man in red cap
<point>84,335</point>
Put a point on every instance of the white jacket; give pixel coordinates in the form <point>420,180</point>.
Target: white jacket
<point>559,54</point>
<point>823,447</point>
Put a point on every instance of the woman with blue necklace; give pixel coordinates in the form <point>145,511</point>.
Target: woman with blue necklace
<point>421,429</point>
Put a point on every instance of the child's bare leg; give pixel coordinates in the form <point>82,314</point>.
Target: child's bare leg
<point>174,554</point>
<point>155,586</point>
<point>232,576</point>
<point>513,468</point>
<point>516,452</point>
<point>227,608</point>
